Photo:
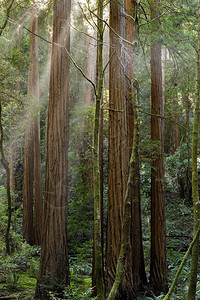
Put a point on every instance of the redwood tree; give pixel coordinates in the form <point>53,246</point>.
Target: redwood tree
<point>54,270</point>
<point>158,266</point>
<point>32,156</point>
<point>138,267</point>
<point>118,153</point>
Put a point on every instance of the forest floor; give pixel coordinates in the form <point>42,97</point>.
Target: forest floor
<point>18,271</point>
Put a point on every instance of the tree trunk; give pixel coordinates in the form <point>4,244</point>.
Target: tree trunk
<point>32,156</point>
<point>37,153</point>
<point>99,274</point>
<point>118,154</point>
<point>139,275</point>
<point>188,187</point>
<point>7,169</point>
<point>125,238</point>
<point>195,193</point>
<point>28,182</point>
<point>54,269</point>
<point>158,266</point>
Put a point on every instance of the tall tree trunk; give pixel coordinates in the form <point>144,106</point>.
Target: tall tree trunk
<point>28,182</point>
<point>37,153</point>
<point>118,154</point>
<point>54,269</point>
<point>7,169</point>
<point>99,274</point>
<point>139,275</point>
<point>195,193</point>
<point>125,238</point>
<point>12,155</point>
<point>188,142</point>
<point>100,154</point>
<point>158,266</point>
<point>32,156</point>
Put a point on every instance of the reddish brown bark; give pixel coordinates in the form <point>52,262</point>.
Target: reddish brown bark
<point>54,270</point>
<point>32,156</point>
<point>118,153</point>
<point>139,275</point>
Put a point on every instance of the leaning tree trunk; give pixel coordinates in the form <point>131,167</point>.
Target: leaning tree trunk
<point>195,192</point>
<point>54,269</point>
<point>158,265</point>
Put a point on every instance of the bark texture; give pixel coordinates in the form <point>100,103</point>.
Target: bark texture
<point>138,266</point>
<point>158,265</point>
<point>37,153</point>
<point>118,153</point>
<point>54,270</point>
<point>125,235</point>
<point>99,274</point>
<point>32,155</point>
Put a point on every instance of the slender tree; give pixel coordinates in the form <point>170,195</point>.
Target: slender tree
<point>5,164</point>
<point>99,276</point>
<point>195,190</point>
<point>98,159</point>
<point>158,266</point>
<point>54,269</point>
<point>37,153</point>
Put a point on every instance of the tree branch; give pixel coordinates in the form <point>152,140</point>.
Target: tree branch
<point>7,17</point>
<point>162,117</point>
<point>9,95</point>
<point>68,54</point>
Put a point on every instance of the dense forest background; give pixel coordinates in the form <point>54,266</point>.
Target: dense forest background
<point>99,124</point>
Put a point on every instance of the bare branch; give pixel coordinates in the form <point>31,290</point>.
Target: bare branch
<point>158,17</point>
<point>162,117</point>
<point>68,54</point>
<point>83,32</point>
<point>9,95</point>
<point>86,18</point>
<point>7,17</point>
<point>110,58</point>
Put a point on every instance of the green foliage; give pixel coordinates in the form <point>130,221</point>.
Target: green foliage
<point>80,219</point>
<point>18,271</point>
<point>74,293</point>
<point>12,279</point>
<point>178,173</point>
